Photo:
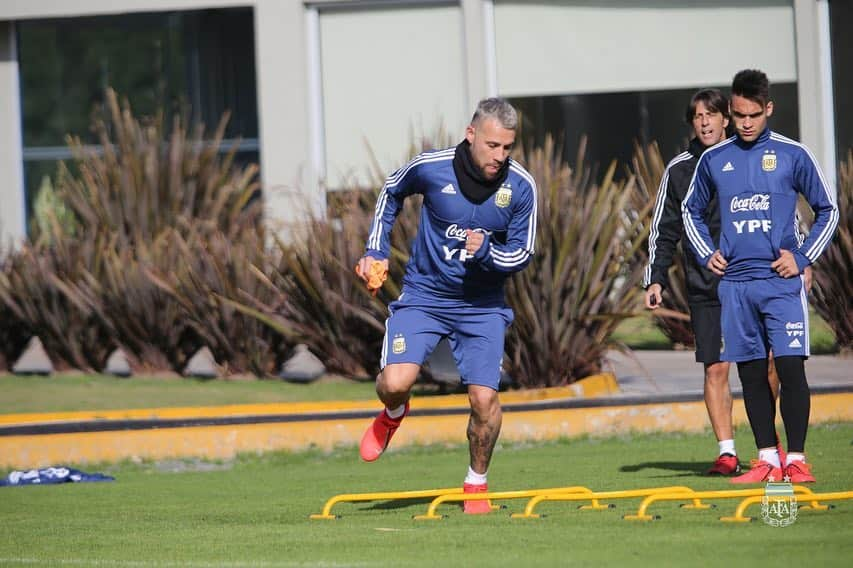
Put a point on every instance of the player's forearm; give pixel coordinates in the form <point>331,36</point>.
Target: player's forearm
<point>501,258</point>
<point>825,225</point>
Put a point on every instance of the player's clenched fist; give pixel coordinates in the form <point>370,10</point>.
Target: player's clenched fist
<point>373,272</point>
<point>473,241</point>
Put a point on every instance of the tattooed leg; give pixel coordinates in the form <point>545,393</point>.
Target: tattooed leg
<point>484,425</point>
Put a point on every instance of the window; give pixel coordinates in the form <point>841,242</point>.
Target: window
<point>613,121</point>
<point>840,16</point>
<point>201,59</point>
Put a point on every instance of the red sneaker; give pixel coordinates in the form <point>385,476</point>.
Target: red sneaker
<point>783,457</point>
<point>726,464</point>
<point>480,506</point>
<point>799,472</point>
<point>376,438</point>
<point>760,472</point>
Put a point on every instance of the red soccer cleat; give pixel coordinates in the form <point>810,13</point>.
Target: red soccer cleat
<point>799,472</point>
<point>480,506</point>
<point>726,464</point>
<point>760,472</point>
<point>376,438</point>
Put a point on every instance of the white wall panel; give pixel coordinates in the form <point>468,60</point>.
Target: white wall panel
<point>388,73</point>
<point>581,46</point>
<point>12,206</point>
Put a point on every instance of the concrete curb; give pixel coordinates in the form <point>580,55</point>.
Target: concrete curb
<point>529,416</point>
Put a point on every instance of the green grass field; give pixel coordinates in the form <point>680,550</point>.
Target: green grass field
<point>253,511</point>
<point>102,392</point>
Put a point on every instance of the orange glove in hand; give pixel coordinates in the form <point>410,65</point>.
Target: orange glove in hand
<point>377,274</point>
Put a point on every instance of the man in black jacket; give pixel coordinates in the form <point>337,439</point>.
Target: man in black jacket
<point>708,115</point>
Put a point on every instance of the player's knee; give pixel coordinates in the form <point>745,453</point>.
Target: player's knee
<point>393,382</point>
<point>792,373</point>
<point>391,388</point>
<point>484,402</point>
<point>717,375</point>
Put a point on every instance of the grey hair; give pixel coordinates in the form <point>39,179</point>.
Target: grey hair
<point>498,109</point>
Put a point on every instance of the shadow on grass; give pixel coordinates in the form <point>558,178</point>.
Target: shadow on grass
<point>398,504</point>
<point>686,469</point>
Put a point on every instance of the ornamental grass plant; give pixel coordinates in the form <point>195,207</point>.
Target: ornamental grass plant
<point>673,319</point>
<point>164,224</point>
<point>586,274</point>
<point>320,299</point>
<point>832,294</point>
<point>14,332</point>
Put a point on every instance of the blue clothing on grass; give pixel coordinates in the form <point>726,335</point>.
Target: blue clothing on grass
<point>52,476</point>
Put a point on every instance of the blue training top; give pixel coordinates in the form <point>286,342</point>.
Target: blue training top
<point>757,185</point>
<point>439,266</point>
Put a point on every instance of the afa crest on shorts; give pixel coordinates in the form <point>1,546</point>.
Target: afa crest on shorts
<point>768,161</point>
<point>503,197</point>
<point>398,345</point>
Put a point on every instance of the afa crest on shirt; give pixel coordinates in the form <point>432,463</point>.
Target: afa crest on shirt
<point>503,196</point>
<point>398,345</point>
<point>768,161</point>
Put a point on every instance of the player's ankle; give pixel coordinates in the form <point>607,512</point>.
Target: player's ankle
<point>395,413</point>
<point>727,447</point>
<point>474,478</point>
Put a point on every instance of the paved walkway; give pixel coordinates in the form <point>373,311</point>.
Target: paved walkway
<point>656,373</point>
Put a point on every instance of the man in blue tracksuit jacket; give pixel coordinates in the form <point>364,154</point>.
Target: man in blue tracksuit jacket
<point>757,177</point>
<point>477,227</point>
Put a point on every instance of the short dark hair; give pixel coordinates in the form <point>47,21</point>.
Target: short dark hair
<point>752,84</point>
<point>713,99</point>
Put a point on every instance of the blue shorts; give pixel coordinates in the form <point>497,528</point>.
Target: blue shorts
<point>759,315</point>
<point>475,335</point>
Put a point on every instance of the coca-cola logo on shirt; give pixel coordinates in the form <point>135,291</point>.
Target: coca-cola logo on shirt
<point>454,231</point>
<point>757,202</point>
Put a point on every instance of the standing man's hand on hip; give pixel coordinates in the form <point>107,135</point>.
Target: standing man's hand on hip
<point>717,263</point>
<point>785,266</point>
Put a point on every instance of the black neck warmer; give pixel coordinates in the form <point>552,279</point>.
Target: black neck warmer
<point>472,182</point>
<point>696,148</point>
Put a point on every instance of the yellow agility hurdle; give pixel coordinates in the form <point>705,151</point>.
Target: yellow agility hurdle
<point>387,495</point>
<point>739,517</point>
<point>497,495</point>
<point>622,494</point>
<point>724,494</point>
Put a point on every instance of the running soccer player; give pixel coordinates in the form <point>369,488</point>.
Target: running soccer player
<point>757,177</point>
<point>477,227</point>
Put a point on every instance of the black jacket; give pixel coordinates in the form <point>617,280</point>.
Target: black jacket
<point>668,229</point>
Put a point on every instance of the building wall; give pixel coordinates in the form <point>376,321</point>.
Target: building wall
<point>332,73</point>
<point>12,217</point>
